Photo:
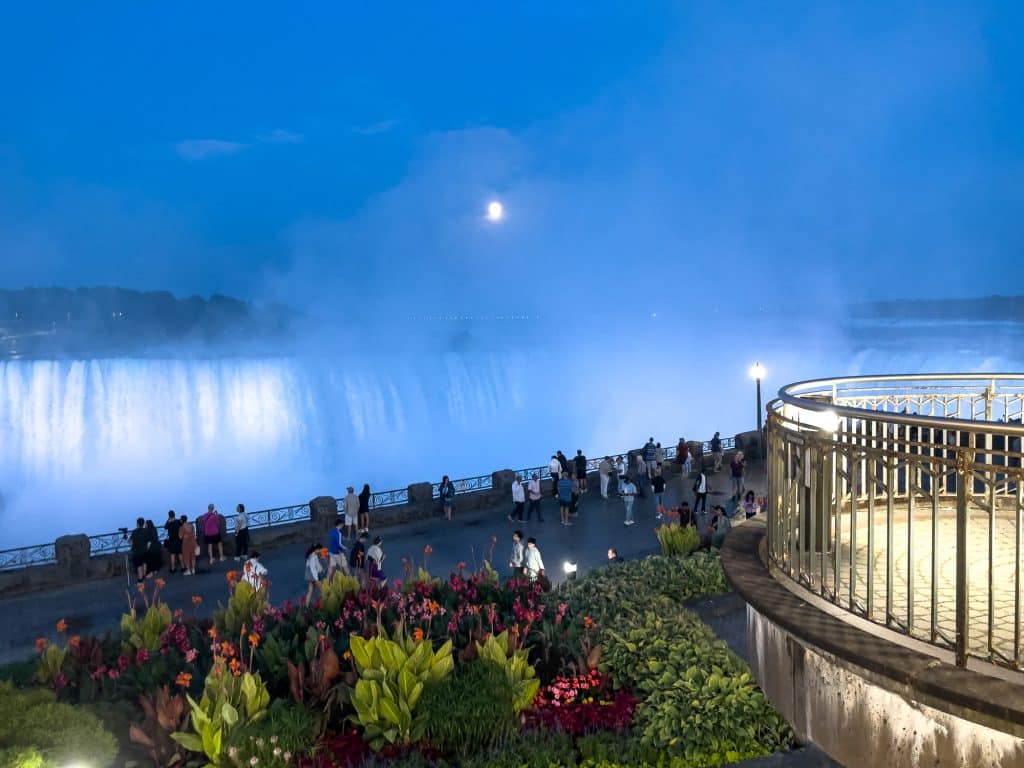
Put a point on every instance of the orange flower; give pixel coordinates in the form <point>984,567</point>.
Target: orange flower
<point>160,582</point>
<point>236,667</point>
<point>178,613</point>
<point>417,634</point>
<point>140,588</point>
<point>462,565</point>
<point>62,626</point>
<point>196,599</point>
<point>212,632</point>
<point>323,551</point>
<point>74,641</point>
<point>428,550</point>
<point>231,576</point>
<point>226,649</point>
<point>589,623</point>
<point>514,629</point>
<point>41,643</point>
<point>254,640</point>
<point>184,679</point>
<point>346,655</point>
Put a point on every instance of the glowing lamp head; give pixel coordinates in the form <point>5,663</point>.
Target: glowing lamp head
<point>757,371</point>
<point>495,211</point>
<point>569,567</point>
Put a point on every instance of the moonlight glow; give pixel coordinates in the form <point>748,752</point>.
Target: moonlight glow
<point>495,211</point>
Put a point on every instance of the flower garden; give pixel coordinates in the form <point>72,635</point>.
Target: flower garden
<point>610,670</point>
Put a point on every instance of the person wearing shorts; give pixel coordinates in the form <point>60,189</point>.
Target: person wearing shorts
<point>337,559</point>
<point>211,533</point>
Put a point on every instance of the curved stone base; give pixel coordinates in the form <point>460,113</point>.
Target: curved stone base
<point>858,721</point>
<point>861,698</point>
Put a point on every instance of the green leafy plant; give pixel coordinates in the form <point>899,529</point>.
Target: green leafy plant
<point>37,730</point>
<point>147,630</point>
<point>392,675</point>
<point>470,709</point>
<point>287,726</point>
<point>335,591</point>
<point>521,676</point>
<point>676,539</point>
<point>228,701</point>
<point>245,603</point>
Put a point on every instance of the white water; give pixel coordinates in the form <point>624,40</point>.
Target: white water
<point>87,446</point>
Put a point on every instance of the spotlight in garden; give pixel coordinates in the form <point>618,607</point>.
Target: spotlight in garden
<point>570,569</point>
<point>495,211</point>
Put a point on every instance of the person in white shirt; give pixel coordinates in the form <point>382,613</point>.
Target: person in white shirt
<point>518,499</point>
<point>241,533</point>
<point>535,496</point>
<point>604,471</point>
<point>700,492</point>
<point>533,563</point>
<point>314,571</point>
<point>254,572</point>
<point>555,468</point>
<point>620,470</point>
<point>628,492</point>
<point>518,556</point>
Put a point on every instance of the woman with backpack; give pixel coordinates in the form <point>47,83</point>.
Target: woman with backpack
<point>211,532</point>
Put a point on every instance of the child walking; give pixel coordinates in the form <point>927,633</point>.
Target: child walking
<point>314,570</point>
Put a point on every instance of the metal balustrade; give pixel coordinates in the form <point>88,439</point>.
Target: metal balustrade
<point>110,543</point>
<point>901,499</point>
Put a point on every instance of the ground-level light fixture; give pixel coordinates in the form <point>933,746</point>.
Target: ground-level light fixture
<point>570,569</point>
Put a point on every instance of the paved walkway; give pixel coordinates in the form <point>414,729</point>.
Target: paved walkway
<point>96,606</point>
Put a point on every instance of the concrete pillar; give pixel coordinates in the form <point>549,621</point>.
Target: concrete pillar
<point>323,511</point>
<point>73,555</point>
<point>421,500</point>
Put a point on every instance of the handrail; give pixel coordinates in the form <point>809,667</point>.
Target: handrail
<point>113,543</point>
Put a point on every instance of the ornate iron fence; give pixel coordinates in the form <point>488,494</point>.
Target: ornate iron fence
<point>901,499</point>
<point>109,543</point>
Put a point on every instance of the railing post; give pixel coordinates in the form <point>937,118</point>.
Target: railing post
<point>964,461</point>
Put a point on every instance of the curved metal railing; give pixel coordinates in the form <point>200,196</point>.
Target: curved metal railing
<point>901,499</point>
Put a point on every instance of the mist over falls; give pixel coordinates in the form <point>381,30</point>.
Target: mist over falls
<point>88,445</point>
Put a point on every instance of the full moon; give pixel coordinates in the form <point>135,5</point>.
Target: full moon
<point>495,211</point>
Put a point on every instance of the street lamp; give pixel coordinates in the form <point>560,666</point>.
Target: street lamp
<point>757,373</point>
<point>495,211</point>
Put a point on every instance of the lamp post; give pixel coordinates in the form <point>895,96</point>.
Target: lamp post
<point>757,373</point>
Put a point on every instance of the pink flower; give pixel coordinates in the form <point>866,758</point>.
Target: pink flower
<point>122,662</point>
<point>141,656</point>
<point>191,655</point>
<point>113,674</point>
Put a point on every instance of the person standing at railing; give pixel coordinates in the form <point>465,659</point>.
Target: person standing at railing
<point>518,500</point>
<point>241,533</point>
<point>581,470</point>
<point>189,547</point>
<point>533,489</point>
<point>649,452</point>
<point>447,495</point>
<point>364,508</point>
<point>173,529</point>
<point>716,451</point>
<point>555,469</point>
<point>139,540</point>
<point>604,473</point>
<point>683,456</point>
<point>155,553</point>
<point>620,472</point>
<point>211,532</point>
<point>351,506</point>
<point>659,457</point>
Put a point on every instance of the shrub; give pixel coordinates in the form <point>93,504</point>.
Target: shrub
<point>677,540</point>
<point>245,604</point>
<point>531,750</point>
<point>392,675</point>
<point>517,669</point>
<point>39,732</point>
<point>469,710</point>
<point>697,699</point>
<point>335,590</point>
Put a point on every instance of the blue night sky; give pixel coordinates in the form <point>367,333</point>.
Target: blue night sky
<point>647,152</point>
